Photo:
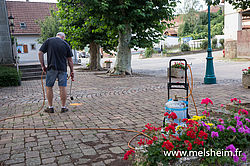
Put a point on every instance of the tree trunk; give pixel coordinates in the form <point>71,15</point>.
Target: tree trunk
<point>123,58</point>
<point>95,57</point>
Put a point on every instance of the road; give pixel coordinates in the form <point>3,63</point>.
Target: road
<point>224,69</point>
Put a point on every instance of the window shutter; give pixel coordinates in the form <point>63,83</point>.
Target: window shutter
<point>25,49</point>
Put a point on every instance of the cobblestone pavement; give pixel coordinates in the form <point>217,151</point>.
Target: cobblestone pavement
<point>107,102</point>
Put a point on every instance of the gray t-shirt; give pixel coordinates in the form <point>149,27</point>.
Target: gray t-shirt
<point>57,53</point>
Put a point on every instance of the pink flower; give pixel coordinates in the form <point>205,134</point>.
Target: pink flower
<point>222,105</point>
<point>221,127</point>
<point>231,148</point>
<point>221,121</point>
<point>236,158</point>
<point>214,134</point>
<point>244,158</point>
<point>206,101</point>
<point>232,128</point>
<point>239,101</point>
<point>233,99</point>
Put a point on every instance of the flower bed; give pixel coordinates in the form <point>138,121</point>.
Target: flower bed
<point>216,141</point>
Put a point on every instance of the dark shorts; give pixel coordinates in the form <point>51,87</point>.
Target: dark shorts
<point>52,75</point>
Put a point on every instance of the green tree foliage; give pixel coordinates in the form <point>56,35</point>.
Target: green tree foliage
<point>199,30</point>
<point>49,26</point>
<point>83,26</point>
<point>242,4</point>
<point>135,23</point>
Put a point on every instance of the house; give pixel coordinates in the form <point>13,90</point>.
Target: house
<point>26,29</point>
<point>237,32</point>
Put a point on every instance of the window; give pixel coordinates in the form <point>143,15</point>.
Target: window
<point>23,25</point>
<point>22,48</point>
<point>33,46</point>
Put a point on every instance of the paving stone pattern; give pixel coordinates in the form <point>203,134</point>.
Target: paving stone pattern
<point>107,102</point>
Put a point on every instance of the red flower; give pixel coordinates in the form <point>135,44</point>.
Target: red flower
<point>149,142</point>
<point>166,114</point>
<point>198,142</point>
<point>206,113</point>
<point>155,138</point>
<point>243,111</point>
<point>141,142</point>
<point>151,128</point>
<point>221,121</point>
<point>170,127</point>
<point>189,144</point>
<point>168,145</point>
<point>172,115</point>
<point>163,136</point>
<point>128,153</point>
<point>184,120</point>
<point>233,99</point>
<point>191,134</point>
<point>175,137</point>
<point>203,135</point>
<point>206,101</point>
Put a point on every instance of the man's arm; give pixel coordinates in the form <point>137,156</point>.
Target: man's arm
<point>71,66</point>
<point>41,59</point>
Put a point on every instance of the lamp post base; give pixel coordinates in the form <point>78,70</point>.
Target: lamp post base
<point>210,80</point>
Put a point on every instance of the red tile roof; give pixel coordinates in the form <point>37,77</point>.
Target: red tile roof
<point>213,9</point>
<point>28,12</point>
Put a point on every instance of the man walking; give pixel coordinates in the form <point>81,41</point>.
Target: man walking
<point>58,54</point>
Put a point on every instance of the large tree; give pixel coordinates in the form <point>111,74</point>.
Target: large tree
<point>237,4</point>
<point>136,23</point>
<point>49,26</point>
<point>83,27</point>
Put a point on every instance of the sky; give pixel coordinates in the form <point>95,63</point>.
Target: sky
<point>179,6</point>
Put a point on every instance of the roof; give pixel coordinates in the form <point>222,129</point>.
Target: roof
<point>176,21</point>
<point>28,13</point>
<point>213,9</point>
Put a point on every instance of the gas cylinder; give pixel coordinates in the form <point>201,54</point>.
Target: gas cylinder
<point>178,107</point>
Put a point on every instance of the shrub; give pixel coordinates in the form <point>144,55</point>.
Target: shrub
<point>214,43</point>
<point>200,134</point>
<point>9,76</point>
<point>221,41</point>
<point>185,47</point>
<point>204,44</point>
<point>149,52</point>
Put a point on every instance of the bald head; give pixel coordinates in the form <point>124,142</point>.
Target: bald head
<point>60,35</point>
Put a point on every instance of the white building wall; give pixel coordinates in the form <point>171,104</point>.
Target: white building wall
<point>232,22</point>
<point>32,55</point>
<point>168,41</point>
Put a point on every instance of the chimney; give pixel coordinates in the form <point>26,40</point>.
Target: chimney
<point>27,0</point>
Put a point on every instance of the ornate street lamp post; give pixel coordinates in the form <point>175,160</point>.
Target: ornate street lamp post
<point>209,77</point>
<point>11,18</point>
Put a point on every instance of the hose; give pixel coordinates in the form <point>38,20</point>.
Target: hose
<point>191,88</point>
<point>112,129</point>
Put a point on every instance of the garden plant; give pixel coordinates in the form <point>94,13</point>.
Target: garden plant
<point>229,134</point>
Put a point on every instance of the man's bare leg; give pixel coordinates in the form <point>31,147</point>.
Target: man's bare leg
<point>49,92</point>
<point>63,95</point>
